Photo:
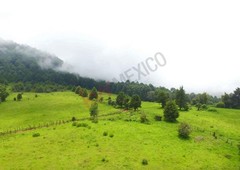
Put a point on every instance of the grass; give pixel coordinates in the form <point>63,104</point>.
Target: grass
<point>71,147</point>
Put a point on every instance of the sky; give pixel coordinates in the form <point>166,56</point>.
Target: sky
<point>198,40</point>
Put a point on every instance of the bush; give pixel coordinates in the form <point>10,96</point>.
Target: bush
<point>158,118</point>
<point>184,130</point>
<point>143,118</point>
<point>74,119</point>
<point>204,107</point>
<point>171,111</point>
<point>144,162</point>
<point>36,135</point>
<point>82,125</point>
<point>74,124</point>
<point>220,105</point>
<point>19,97</point>
<point>212,110</point>
<point>111,135</point>
<point>105,133</point>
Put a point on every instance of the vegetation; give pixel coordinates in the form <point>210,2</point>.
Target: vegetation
<point>171,111</point>
<point>184,130</point>
<point>140,142</point>
<point>94,110</point>
<point>3,93</point>
<point>181,99</point>
<point>93,94</point>
<point>45,123</point>
<point>135,102</point>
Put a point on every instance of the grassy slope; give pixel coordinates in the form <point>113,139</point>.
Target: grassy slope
<point>70,147</point>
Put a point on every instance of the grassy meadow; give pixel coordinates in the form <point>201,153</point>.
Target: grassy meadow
<point>118,141</point>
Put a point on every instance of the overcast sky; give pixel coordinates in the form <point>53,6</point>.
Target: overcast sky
<point>200,40</point>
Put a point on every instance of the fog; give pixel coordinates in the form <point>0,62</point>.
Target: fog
<point>104,39</point>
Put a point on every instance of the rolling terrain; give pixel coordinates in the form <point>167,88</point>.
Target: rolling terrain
<point>118,141</point>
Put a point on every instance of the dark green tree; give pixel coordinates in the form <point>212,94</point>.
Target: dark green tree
<point>78,89</point>
<point>135,102</point>
<point>120,99</point>
<point>93,94</point>
<point>171,111</point>
<point>94,110</point>
<point>162,97</point>
<point>3,93</point>
<point>181,99</point>
<point>235,99</point>
<point>19,96</point>
<point>226,98</point>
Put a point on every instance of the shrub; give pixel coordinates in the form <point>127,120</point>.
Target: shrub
<point>184,130</point>
<point>220,105</point>
<point>105,133</point>
<point>36,135</point>
<point>158,118</point>
<point>111,135</point>
<point>74,119</point>
<point>171,111</point>
<point>19,97</point>
<point>143,118</point>
<point>144,162</point>
<point>82,125</point>
<point>204,107</point>
<point>74,124</point>
<point>186,107</point>
<point>212,110</point>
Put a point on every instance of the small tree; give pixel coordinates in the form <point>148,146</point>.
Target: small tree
<point>181,98</point>
<point>83,92</point>
<point>184,130</point>
<point>94,110</point>
<point>93,94</point>
<point>135,102</point>
<point>162,97</point>
<point>3,93</point>
<point>120,99</point>
<point>171,111</point>
<point>77,89</point>
<point>109,100</point>
<point>19,96</point>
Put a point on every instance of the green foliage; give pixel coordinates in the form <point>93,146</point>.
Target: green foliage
<point>78,89</point>
<point>3,93</point>
<point>143,117</point>
<point>135,102</point>
<point>120,99</point>
<point>93,94</point>
<point>212,110</point>
<point>81,125</point>
<point>158,118</point>
<point>74,124</point>
<point>105,133</point>
<point>162,97</point>
<point>83,92</point>
<point>181,99</point>
<point>184,130</point>
<point>220,105</point>
<point>94,110</point>
<point>144,162</point>
<point>101,100</point>
<point>36,135</point>
<point>19,96</point>
<point>171,112</point>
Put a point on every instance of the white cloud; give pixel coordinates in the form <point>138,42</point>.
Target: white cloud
<point>104,38</point>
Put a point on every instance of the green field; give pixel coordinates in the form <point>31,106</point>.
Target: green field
<point>127,143</point>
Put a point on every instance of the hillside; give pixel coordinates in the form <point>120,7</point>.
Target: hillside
<point>117,141</point>
<point>26,64</point>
